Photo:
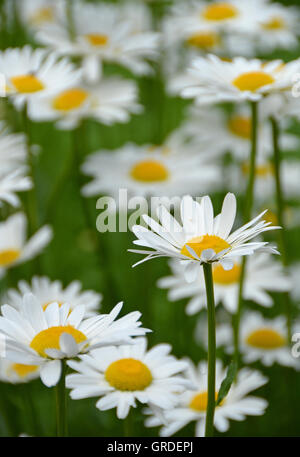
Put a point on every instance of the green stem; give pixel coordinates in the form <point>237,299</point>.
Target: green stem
<point>280,214</point>
<point>127,425</point>
<point>61,403</point>
<point>211,378</point>
<point>247,217</point>
<point>70,19</point>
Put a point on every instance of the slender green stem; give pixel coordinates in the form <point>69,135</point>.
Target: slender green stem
<point>61,403</point>
<point>128,425</point>
<point>280,214</point>
<point>247,216</point>
<point>211,378</point>
<point>70,19</point>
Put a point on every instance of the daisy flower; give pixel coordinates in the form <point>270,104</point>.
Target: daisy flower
<point>11,183</point>
<point>278,27</point>
<point>221,132</point>
<point>14,249</point>
<point>47,291</point>
<point>35,13</point>
<point>191,406</point>
<point>263,275</point>
<point>111,100</point>
<point>213,80</point>
<point>202,238</point>
<point>34,73</point>
<point>43,337</point>
<point>13,152</point>
<point>17,373</point>
<point>122,375</point>
<point>150,170</point>
<point>265,340</point>
<point>102,33</point>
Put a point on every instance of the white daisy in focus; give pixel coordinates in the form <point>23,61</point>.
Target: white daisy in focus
<point>202,238</point>
<point>111,100</point>
<point>47,291</point>
<point>43,337</point>
<point>263,275</point>
<point>222,132</point>
<point>14,249</point>
<point>35,13</point>
<point>192,405</point>
<point>11,183</point>
<point>102,33</point>
<point>121,376</point>
<point>17,373</point>
<point>213,80</point>
<point>265,340</point>
<point>278,27</point>
<point>150,170</point>
<point>34,73</point>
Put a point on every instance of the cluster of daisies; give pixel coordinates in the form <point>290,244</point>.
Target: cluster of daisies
<point>71,74</point>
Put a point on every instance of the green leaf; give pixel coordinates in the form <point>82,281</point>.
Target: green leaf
<point>227,382</point>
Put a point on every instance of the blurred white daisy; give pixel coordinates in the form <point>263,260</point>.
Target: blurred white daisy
<point>151,170</point>
<point>47,291</point>
<point>35,13</point>
<point>43,337</point>
<point>222,132</point>
<point>102,33</point>
<point>11,183</point>
<point>202,238</point>
<point>111,100</point>
<point>278,27</point>
<point>13,152</point>
<point>17,373</point>
<point>122,375</point>
<point>34,73</point>
<point>213,80</point>
<point>263,275</point>
<point>265,340</point>
<point>192,405</point>
<point>14,249</point>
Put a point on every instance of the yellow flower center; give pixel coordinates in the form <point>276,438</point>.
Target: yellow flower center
<point>262,171</point>
<point>149,171</point>
<point>276,23</point>
<point>253,80</point>
<point>265,338</point>
<point>199,401</point>
<point>9,256</point>
<point>27,84</point>
<point>220,12</point>
<point>200,243</point>
<point>128,374</point>
<point>224,277</point>
<point>23,370</point>
<point>70,99</point>
<point>240,126</point>
<point>271,217</point>
<point>97,39</point>
<point>204,40</point>
<point>49,338</point>
<point>42,15</point>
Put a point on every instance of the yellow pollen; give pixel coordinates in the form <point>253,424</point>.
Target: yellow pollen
<point>9,256</point>
<point>149,171</point>
<point>49,338</point>
<point>200,243</point>
<point>252,80</point>
<point>97,39</point>
<point>204,40</point>
<point>276,23</point>
<point>45,306</point>
<point>199,401</point>
<point>224,277</point>
<point>220,12</point>
<point>128,374</point>
<point>271,217</point>
<point>70,99</point>
<point>240,126</point>
<point>27,84</point>
<point>262,171</point>
<point>265,338</point>
<point>42,15</point>
<point>23,370</point>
